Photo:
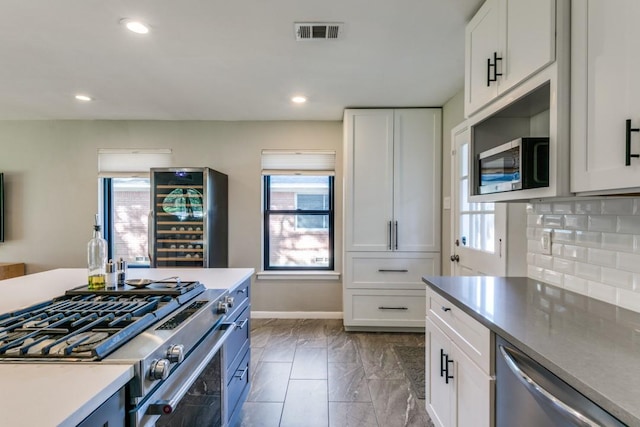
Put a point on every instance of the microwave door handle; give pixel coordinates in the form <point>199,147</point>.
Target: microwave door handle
<point>537,147</point>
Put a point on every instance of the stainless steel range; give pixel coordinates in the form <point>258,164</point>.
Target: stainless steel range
<point>169,334</point>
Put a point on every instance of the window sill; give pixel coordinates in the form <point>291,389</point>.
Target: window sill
<point>298,275</point>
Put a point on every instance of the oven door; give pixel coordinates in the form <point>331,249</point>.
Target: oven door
<point>206,357</point>
<point>499,168</point>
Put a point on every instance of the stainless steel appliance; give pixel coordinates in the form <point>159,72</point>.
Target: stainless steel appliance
<point>517,165</point>
<point>169,334</point>
<point>188,224</point>
<point>528,395</point>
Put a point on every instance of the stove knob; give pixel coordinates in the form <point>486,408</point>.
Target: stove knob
<point>175,354</point>
<point>229,301</point>
<point>223,307</point>
<point>159,370</point>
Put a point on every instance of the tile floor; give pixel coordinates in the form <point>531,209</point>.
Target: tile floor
<point>309,372</point>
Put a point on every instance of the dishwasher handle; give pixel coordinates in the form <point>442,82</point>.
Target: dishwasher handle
<point>537,390</point>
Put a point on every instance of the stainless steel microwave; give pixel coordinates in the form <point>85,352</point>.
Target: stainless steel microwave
<point>517,165</point>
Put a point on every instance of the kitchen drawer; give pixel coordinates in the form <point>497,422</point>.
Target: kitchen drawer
<point>240,295</point>
<point>238,337</point>
<point>467,333</point>
<point>384,271</point>
<point>238,384</point>
<point>386,308</point>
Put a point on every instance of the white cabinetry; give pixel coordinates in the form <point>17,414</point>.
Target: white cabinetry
<point>605,92</point>
<point>506,42</point>
<point>392,215</point>
<point>459,380</point>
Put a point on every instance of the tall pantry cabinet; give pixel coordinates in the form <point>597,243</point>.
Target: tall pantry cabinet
<point>392,215</point>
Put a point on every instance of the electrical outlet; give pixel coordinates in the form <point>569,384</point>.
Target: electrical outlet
<point>545,242</point>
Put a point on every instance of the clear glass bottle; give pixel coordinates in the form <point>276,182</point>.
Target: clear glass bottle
<point>97,259</point>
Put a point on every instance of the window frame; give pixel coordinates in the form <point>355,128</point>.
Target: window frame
<point>108,219</point>
<point>267,212</point>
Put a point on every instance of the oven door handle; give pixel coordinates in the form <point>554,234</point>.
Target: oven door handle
<point>537,390</point>
<point>166,406</point>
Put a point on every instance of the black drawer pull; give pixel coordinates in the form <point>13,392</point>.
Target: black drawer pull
<point>392,308</point>
<point>390,270</point>
<point>242,324</point>
<point>241,291</point>
<point>242,374</point>
<point>445,309</point>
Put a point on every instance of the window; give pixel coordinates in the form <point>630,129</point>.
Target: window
<point>126,213</point>
<point>298,210</point>
<point>126,198</point>
<point>298,222</point>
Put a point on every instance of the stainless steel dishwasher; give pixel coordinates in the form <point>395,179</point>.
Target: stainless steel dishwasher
<point>528,395</point>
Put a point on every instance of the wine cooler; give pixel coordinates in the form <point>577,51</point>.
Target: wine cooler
<point>188,224</point>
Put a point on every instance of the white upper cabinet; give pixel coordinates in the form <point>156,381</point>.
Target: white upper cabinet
<point>506,42</point>
<point>605,96</point>
<point>392,173</point>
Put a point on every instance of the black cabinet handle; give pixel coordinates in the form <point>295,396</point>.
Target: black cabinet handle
<point>455,258</point>
<point>447,376</point>
<point>628,154</point>
<point>396,235</point>
<point>390,236</point>
<point>442,368</point>
<point>388,270</point>
<point>242,373</point>
<point>496,74</point>
<point>445,309</point>
<point>382,307</point>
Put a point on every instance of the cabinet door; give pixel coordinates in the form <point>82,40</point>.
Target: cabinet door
<point>605,93</point>
<point>416,184</point>
<point>529,41</point>
<point>369,180</point>
<point>474,392</point>
<point>481,41</point>
<point>440,396</point>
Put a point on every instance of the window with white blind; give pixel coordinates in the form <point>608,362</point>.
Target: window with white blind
<point>126,197</point>
<point>298,209</point>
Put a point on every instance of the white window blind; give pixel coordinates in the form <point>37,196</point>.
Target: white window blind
<point>298,162</point>
<point>131,162</point>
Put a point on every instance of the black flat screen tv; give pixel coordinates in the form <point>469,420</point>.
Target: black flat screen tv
<point>1,207</point>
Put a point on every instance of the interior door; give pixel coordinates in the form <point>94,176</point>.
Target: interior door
<point>479,229</point>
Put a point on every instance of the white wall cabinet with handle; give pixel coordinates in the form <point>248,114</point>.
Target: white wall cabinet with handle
<point>506,42</point>
<point>605,96</point>
<point>392,210</point>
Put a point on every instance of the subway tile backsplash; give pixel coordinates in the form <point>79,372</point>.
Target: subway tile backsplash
<point>595,248</point>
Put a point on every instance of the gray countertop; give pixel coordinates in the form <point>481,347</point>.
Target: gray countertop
<point>592,345</point>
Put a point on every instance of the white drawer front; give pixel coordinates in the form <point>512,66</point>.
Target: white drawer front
<point>389,272</point>
<point>471,336</point>
<point>387,310</point>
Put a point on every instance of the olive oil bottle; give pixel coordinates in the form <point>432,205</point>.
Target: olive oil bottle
<point>97,259</point>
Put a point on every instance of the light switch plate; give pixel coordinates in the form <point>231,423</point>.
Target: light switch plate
<point>545,242</point>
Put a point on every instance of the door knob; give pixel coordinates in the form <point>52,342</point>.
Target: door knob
<point>455,258</point>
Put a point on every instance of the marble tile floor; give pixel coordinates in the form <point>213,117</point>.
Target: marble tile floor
<point>310,372</point>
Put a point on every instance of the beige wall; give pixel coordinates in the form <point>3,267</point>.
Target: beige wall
<point>452,115</point>
<point>52,193</point>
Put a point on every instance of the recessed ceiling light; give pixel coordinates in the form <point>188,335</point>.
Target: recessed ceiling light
<point>299,99</point>
<point>135,26</point>
<point>84,98</point>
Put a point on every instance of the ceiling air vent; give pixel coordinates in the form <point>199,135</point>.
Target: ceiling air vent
<point>318,30</point>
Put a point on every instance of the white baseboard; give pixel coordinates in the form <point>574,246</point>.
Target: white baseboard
<point>296,315</point>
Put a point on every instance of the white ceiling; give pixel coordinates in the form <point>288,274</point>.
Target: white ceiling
<point>226,59</point>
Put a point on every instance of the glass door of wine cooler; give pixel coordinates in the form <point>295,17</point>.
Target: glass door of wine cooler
<point>180,220</point>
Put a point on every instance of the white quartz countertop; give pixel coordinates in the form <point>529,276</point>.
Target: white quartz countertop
<point>54,394</point>
<point>63,394</point>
